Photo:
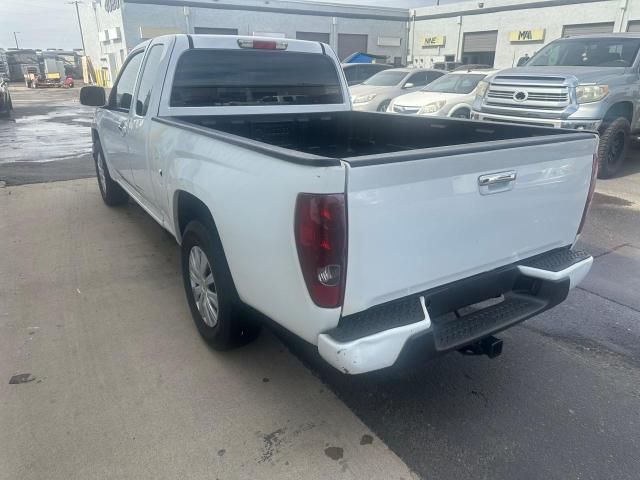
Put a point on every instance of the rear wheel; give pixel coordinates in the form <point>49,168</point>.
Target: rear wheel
<point>111,192</point>
<point>614,141</point>
<point>213,301</point>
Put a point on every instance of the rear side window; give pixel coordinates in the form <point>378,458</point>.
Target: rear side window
<point>210,78</point>
<point>148,78</point>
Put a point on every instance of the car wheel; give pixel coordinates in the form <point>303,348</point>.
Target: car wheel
<point>462,113</point>
<point>211,294</point>
<point>112,193</point>
<point>383,106</point>
<point>614,141</point>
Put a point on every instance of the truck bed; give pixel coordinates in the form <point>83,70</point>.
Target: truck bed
<point>361,137</point>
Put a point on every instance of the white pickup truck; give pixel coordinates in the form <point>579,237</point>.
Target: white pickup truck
<point>357,231</point>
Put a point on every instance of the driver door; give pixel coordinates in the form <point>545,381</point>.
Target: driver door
<point>115,120</point>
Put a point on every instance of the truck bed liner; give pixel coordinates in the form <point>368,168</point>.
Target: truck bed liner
<point>367,137</point>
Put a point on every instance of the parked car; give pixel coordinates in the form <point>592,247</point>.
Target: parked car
<point>6,106</point>
<point>376,93</point>
<point>586,83</point>
<point>449,96</point>
<point>356,231</point>
<point>358,72</point>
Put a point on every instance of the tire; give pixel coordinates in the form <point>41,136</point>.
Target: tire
<point>383,106</point>
<point>614,142</point>
<point>462,113</point>
<point>112,193</point>
<point>216,309</point>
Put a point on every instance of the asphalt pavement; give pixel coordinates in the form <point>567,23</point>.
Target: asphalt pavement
<point>562,402</point>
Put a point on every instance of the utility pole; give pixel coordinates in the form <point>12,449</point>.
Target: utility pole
<point>15,36</point>
<point>76,2</point>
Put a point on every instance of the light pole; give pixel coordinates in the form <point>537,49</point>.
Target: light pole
<point>76,2</point>
<point>15,36</point>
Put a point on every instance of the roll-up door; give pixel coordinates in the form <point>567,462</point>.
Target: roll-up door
<point>633,26</point>
<point>586,29</point>
<point>480,41</point>
<point>313,36</point>
<point>349,43</point>
<point>216,31</point>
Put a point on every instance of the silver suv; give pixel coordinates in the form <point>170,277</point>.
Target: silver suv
<point>590,82</point>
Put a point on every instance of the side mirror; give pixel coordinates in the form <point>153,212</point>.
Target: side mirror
<point>93,96</point>
<point>408,85</point>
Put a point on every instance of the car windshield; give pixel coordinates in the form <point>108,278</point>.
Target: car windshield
<point>385,79</point>
<point>455,83</point>
<point>588,52</point>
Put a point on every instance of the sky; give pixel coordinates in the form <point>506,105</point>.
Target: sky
<point>53,24</point>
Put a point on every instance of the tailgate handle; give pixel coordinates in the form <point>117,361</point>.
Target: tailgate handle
<point>493,178</point>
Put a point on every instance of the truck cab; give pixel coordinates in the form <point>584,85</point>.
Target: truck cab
<point>589,82</point>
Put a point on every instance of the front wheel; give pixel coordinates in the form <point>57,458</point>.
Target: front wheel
<point>211,295</point>
<point>111,192</point>
<point>614,140</point>
<point>383,106</point>
<point>462,113</point>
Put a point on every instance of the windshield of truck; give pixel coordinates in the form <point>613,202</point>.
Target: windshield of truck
<point>385,79</point>
<point>588,52</point>
<point>209,78</point>
<point>455,83</point>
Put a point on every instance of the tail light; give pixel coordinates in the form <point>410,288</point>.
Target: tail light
<point>592,189</point>
<point>320,230</point>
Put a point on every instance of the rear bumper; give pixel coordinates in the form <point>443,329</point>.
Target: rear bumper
<point>586,124</point>
<point>374,339</point>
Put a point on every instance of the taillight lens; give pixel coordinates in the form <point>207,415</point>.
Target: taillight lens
<point>320,230</point>
<point>592,189</point>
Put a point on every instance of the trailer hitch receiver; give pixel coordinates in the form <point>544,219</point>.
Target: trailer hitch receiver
<point>489,346</point>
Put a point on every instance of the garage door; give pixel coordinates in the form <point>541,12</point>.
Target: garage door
<point>349,43</point>
<point>216,31</point>
<point>633,26</point>
<point>480,41</point>
<point>586,29</point>
<point>313,36</point>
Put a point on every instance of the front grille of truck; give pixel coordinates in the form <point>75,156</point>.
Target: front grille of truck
<point>542,94</point>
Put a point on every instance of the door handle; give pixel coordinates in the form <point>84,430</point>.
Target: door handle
<point>122,126</point>
<point>493,178</point>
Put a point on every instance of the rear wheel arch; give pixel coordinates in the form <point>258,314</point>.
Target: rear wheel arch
<point>187,207</point>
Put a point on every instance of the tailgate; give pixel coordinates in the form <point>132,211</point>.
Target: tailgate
<point>419,223</point>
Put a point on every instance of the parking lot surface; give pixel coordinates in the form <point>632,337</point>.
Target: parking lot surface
<point>104,374</point>
<point>119,384</point>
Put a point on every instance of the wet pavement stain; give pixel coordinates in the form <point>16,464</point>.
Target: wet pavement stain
<point>366,439</point>
<point>61,133</point>
<point>272,442</point>
<point>334,453</point>
<point>21,378</point>
<point>221,452</point>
